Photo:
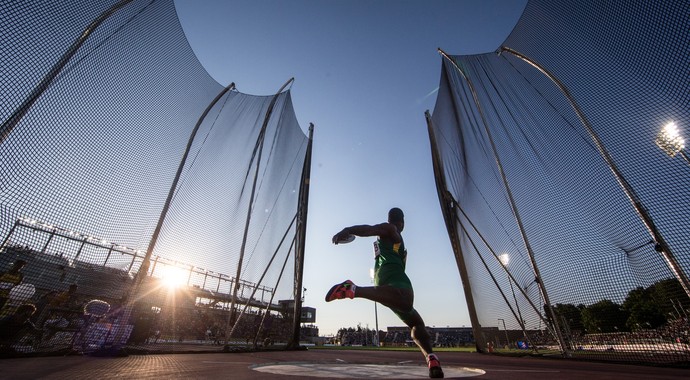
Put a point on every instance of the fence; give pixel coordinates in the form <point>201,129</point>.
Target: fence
<point>563,179</point>
<point>142,204</point>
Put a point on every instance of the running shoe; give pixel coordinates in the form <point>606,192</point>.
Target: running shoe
<point>435,371</point>
<point>340,291</point>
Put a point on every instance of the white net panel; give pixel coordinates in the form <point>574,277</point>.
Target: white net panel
<point>94,131</point>
<point>553,170</point>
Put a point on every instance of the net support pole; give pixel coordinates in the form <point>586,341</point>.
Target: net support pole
<point>258,150</point>
<point>48,79</point>
<point>559,335</point>
<point>146,262</point>
<point>684,156</point>
<point>303,204</point>
<point>661,246</point>
<point>508,274</point>
<point>270,301</point>
<point>173,186</point>
<point>9,234</point>
<point>449,216</point>
<point>263,275</point>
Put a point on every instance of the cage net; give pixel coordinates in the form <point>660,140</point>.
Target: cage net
<point>142,204</point>
<point>562,174</point>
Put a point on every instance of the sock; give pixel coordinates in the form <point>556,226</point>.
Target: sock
<point>431,356</point>
<point>353,287</point>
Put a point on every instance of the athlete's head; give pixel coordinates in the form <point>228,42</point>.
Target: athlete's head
<point>396,216</point>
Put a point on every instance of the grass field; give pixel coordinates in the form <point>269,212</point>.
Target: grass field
<point>470,349</point>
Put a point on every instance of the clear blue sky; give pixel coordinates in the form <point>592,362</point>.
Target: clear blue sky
<point>365,72</point>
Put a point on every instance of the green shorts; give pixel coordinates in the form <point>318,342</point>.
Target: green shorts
<point>393,275</point>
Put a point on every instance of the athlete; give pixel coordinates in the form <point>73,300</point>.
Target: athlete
<point>392,287</point>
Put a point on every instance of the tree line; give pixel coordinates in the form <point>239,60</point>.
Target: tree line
<point>643,308</point>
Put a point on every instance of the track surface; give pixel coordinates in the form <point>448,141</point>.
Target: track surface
<point>321,364</point>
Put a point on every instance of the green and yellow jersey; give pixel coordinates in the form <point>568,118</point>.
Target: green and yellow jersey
<point>389,266</point>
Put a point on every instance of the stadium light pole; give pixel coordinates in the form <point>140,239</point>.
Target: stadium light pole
<point>376,312</point>
<point>671,142</point>
<point>506,331</point>
<point>504,258</point>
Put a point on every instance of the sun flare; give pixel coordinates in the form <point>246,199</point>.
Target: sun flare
<point>174,277</point>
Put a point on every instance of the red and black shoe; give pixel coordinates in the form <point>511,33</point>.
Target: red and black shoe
<point>340,291</point>
<point>435,371</point>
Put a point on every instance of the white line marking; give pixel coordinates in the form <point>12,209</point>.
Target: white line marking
<point>212,362</point>
<point>525,370</point>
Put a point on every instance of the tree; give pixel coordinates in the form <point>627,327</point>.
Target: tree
<point>643,309</point>
<point>651,307</point>
<point>570,314</point>
<point>604,316</point>
<point>670,297</point>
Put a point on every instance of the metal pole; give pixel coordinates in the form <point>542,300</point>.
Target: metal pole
<point>450,216</point>
<point>273,293</point>
<point>9,234</point>
<point>258,149</point>
<point>301,233</point>
<point>48,79</point>
<point>268,266</point>
<point>506,331</point>
<point>376,315</point>
<point>661,246</point>
<point>685,156</point>
<point>493,278</point>
<point>45,246</point>
<point>173,186</point>
<point>107,257</point>
<point>146,262</point>
<point>513,206</point>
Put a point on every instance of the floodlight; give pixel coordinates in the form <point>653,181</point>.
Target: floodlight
<point>504,259</point>
<point>670,140</point>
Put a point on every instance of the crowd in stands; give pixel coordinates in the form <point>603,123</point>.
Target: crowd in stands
<point>207,325</point>
<point>676,331</point>
<point>356,336</point>
<point>57,307</point>
<point>38,320</point>
<point>401,337</point>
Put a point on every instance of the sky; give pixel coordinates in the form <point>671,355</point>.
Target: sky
<point>365,72</point>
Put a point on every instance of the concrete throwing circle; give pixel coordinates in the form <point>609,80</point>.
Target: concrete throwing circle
<point>361,371</point>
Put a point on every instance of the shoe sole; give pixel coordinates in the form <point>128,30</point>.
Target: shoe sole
<point>435,373</point>
<point>331,292</point>
<point>333,289</point>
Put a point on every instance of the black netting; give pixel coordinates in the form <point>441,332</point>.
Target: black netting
<point>556,169</point>
<point>94,131</point>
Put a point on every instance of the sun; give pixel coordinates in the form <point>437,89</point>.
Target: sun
<point>174,277</point>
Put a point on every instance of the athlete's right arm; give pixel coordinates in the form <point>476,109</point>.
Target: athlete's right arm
<point>385,231</point>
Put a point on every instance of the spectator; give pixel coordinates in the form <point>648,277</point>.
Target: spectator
<point>66,299</point>
<point>42,306</point>
<point>15,326</point>
<point>10,279</point>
